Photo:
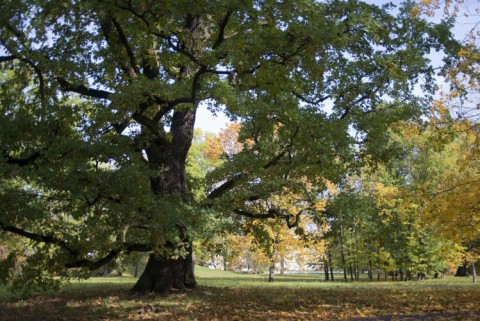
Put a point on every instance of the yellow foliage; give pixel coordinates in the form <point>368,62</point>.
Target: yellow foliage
<point>226,142</point>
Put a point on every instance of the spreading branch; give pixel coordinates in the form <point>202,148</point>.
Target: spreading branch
<point>49,239</point>
<point>74,261</point>
<point>20,161</point>
<point>269,214</point>
<point>310,101</point>
<point>221,32</point>
<point>273,213</point>
<point>433,195</point>
<point>113,254</point>
<point>36,69</point>
<point>126,45</point>
<point>228,185</point>
<point>7,58</point>
<point>83,90</point>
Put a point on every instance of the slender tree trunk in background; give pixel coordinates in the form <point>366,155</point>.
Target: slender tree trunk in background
<point>350,267</point>
<point>401,274</point>
<point>282,264</point>
<point>137,268</point>
<point>344,264</point>
<point>474,273</point>
<point>356,264</point>
<point>378,267</point>
<point>325,268</point>
<point>331,265</point>
<point>370,272</point>
<point>408,275</point>
<point>225,265</point>
<point>271,271</point>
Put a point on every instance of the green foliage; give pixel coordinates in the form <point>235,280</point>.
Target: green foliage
<point>98,103</point>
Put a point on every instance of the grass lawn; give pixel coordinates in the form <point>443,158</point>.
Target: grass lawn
<point>233,296</point>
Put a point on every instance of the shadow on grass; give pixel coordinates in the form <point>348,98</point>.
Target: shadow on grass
<point>113,301</point>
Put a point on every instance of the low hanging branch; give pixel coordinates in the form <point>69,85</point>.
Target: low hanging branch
<point>228,185</point>
<point>75,261</point>
<point>20,161</point>
<point>38,72</point>
<point>273,213</point>
<point>83,90</point>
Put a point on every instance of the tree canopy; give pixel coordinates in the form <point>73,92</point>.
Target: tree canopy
<point>98,103</point>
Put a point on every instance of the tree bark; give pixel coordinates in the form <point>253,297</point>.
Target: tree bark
<point>161,275</point>
<point>168,159</point>
<point>271,270</point>
<point>370,272</point>
<point>325,268</point>
<point>343,260</point>
<point>137,268</point>
<point>331,265</point>
<point>462,270</point>
<point>474,273</point>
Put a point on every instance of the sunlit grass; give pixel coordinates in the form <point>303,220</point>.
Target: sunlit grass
<point>218,278</point>
<point>228,279</point>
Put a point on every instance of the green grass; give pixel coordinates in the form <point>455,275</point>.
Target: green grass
<point>218,278</point>
<point>226,279</point>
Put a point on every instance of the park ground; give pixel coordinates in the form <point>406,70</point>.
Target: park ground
<point>232,296</point>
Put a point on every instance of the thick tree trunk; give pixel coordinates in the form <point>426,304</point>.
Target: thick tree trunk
<point>161,275</point>
<point>462,270</point>
<point>167,158</point>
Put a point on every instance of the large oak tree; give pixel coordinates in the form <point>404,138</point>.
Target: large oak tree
<point>99,97</point>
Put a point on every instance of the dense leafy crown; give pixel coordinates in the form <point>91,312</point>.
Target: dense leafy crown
<point>92,92</point>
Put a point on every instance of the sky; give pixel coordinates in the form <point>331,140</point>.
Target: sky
<point>206,121</point>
